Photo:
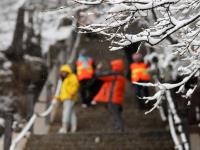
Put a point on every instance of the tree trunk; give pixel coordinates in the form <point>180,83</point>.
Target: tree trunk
<point>73,42</point>
<point>15,51</point>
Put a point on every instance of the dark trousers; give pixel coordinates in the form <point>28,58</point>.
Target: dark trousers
<point>116,112</point>
<point>88,89</point>
<point>85,91</point>
<point>95,87</point>
<point>141,91</point>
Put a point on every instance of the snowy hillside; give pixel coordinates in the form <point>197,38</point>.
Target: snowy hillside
<point>8,15</point>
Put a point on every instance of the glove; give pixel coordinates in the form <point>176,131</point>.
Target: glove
<point>56,97</point>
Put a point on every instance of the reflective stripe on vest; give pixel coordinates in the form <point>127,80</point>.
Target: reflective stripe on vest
<point>84,71</point>
<point>139,72</point>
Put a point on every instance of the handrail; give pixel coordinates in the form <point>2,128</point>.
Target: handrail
<point>173,133</point>
<point>33,118</point>
<point>178,121</point>
<point>23,132</point>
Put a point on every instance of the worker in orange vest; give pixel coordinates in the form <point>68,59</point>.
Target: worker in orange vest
<point>85,72</point>
<point>112,91</point>
<point>139,73</point>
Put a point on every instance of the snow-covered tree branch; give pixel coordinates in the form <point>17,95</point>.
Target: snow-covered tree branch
<point>177,20</point>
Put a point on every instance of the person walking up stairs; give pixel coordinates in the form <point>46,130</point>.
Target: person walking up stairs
<point>68,96</point>
<point>112,92</point>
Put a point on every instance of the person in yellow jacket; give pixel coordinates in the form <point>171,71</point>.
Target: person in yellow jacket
<point>68,96</point>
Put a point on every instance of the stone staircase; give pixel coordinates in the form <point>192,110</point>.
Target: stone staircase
<point>143,132</point>
<point>139,140</point>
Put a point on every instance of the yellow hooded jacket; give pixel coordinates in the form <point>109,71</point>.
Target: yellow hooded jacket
<point>70,85</point>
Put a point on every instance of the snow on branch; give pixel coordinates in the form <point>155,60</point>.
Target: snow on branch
<point>96,2</point>
<point>148,35</point>
<point>163,87</point>
<point>168,86</point>
<point>153,35</point>
<point>139,6</point>
<point>177,20</point>
<point>174,18</point>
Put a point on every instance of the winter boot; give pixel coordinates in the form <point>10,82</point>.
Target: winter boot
<point>63,129</point>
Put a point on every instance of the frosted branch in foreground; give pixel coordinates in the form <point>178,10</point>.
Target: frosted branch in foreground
<point>163,87</point>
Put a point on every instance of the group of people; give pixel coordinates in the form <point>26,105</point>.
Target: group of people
<point>97,86</point>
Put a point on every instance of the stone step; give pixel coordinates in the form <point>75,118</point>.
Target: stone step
<point>98,118</point>
<point>138,140</point>
<point>95,131</point>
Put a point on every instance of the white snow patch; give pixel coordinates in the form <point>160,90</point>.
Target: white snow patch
<point>50,36</point>
<point>7,65</point>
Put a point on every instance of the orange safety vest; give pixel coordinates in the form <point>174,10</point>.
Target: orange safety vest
<point>139,72</point>
<point>113,88</point>
<point>84,71</point>
<point>108,93</point>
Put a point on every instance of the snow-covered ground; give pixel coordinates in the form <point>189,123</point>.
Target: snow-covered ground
<point>8,15</point>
